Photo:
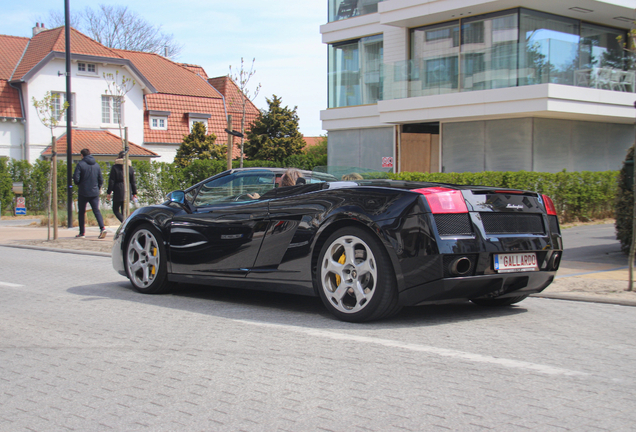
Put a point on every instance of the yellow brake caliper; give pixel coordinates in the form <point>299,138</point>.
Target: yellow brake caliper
<point>341,260</point>
<point>154,254</point>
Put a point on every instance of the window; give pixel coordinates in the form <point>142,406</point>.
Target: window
<point>234,188</point>
<point>198,120</point>
<point>57,101</point>
<point>159,123</point>
<point>86,68</point>
<point>355,72</point>
<point>111,109</point>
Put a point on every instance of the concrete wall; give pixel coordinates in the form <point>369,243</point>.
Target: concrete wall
<point>534,144</point>
<point>363,148</point>
<point>11,139</point>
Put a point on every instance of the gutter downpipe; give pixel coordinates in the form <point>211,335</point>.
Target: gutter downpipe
<point>229,140</point>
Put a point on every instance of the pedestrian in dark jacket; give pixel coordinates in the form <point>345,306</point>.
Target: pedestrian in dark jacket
<point>89,180</point>
<point>116,185</point>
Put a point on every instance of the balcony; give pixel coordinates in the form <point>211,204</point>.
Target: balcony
<point>510,65</point>
<point>343,9</point>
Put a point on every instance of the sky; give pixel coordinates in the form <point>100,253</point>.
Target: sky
<point>282,35</point>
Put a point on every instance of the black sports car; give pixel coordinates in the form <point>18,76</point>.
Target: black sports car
<point>366,247</point>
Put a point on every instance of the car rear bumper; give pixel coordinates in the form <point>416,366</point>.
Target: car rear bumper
<point>482,286</point>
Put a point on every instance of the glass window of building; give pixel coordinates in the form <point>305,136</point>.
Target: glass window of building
<point>343,9</point>
<point>434,65</point>
<point>355,72</point>
<point>489,51</point>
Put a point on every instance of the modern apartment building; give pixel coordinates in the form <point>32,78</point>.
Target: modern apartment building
<point>476,85</point>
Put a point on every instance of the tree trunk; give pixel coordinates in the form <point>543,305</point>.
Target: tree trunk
<point>54,188</point>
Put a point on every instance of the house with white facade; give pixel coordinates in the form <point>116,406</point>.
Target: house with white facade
<point>475,85</point>
<point>158,110</point>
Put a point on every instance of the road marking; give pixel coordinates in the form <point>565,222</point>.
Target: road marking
<point>9,284</point>
<point>444,352</point>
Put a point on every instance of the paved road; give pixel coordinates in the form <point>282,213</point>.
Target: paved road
<point>79,350</point>
<point>592,246</point>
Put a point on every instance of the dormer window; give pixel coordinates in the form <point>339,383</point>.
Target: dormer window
<point>158,119</point>
<point>198,117</point>
<point>89,69</point>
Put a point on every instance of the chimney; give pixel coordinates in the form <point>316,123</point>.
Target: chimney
<point>165,51</point>
<point>38,28</point>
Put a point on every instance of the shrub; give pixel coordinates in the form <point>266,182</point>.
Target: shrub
<point>624,203</point>
<point>577,196</point>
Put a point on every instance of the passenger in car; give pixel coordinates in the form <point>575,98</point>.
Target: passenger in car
<point>291,177</point>
<point>352,176</point>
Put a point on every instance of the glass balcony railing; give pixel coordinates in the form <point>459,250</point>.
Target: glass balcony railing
<point>343,9</point>
<point>510,65</point>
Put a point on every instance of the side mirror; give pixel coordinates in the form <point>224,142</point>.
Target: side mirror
<point>177,197</point>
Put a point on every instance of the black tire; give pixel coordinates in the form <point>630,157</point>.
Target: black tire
<point>496,302</point>
<point>145,260</point>
<point>364,268</point>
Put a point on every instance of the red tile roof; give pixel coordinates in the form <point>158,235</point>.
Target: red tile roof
<point>312,141</point>
<point>9,101</point>
<point>12,50</point>
<point>179,122</point>
<point>54,40</point>
<point>196,69</point>
<point>234,100</point>
<point>169,77</point>
<point>100,143</point>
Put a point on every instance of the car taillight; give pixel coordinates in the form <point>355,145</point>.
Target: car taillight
<point>549,205</point>
<point>444,200</point>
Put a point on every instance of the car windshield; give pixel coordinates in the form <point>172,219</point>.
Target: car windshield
<point>332,173</point>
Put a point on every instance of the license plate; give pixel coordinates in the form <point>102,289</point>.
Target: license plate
<point>516,262</point>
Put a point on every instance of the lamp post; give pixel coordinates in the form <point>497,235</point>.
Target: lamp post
<point>69,121</point>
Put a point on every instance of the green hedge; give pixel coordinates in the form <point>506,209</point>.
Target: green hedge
<point>576,195</point>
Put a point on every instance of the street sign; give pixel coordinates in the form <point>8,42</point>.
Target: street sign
<point>20,206</point>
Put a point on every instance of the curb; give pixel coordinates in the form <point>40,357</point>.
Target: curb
<point>67,251</point>
<point>582,298</point>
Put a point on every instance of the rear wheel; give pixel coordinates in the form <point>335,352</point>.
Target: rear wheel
<point>506,301</point>
<point>355,278</point>
<point>145,261</point>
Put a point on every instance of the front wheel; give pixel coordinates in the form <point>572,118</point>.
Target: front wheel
<point>145,261</point>
<point>493,302</point>
<point>355,278</point>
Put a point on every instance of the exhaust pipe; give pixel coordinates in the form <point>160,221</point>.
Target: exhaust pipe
<point>555,260</point>
<point>460,266</point>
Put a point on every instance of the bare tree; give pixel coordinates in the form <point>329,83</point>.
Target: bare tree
<point>242,78</point>
<point>121,28</point>
<point>118,89</point>
<point>50,111</point>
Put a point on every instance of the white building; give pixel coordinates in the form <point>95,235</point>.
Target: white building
<point>158,110</point>
<point>474,85</point>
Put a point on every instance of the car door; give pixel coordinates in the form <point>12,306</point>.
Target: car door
<point>222,236</point>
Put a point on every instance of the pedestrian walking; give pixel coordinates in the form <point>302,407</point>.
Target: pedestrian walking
<point>116,185</point>
<point>88,178</point>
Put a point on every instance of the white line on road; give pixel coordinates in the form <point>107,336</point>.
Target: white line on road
<point>477,358</point>
<point>9,284</point>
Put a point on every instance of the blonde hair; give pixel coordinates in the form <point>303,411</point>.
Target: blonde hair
<point>352,176</point>
<point>290,177</point>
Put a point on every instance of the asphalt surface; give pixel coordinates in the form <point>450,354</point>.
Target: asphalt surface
<point>80,350</point>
